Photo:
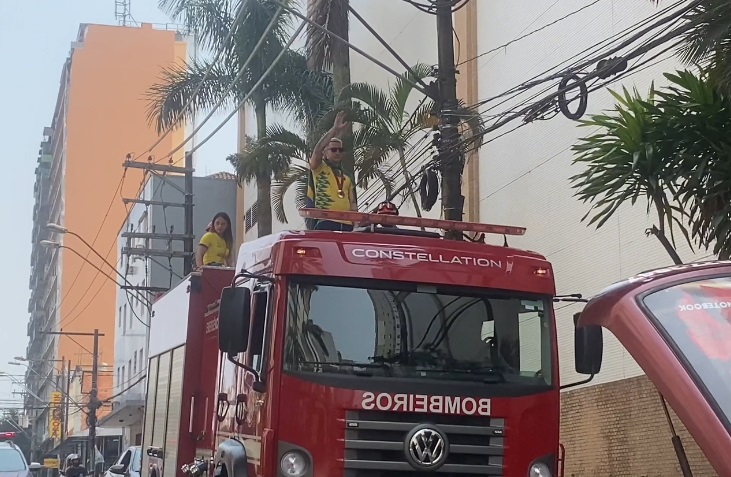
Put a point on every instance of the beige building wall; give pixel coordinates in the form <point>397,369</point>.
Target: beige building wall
<point>614,426</point>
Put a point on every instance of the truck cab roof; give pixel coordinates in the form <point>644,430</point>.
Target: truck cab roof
<point>406,258</point>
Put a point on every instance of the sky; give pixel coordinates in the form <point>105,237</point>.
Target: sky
<point>36,36</point>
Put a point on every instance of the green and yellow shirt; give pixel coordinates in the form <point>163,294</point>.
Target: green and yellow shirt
<point>324,185</point>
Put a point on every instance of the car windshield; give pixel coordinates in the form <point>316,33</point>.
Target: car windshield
<point>419,332</point>
<point>11,460</point>
<point>696,317</point>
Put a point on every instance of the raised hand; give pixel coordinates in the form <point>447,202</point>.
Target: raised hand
<point>340,123</point>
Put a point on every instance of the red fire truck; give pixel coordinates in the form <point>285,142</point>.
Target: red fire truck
<point>395,351</point>
<point>383,352</point>
<point>676,323</point>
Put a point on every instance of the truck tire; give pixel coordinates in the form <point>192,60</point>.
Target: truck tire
<point>231,460</point>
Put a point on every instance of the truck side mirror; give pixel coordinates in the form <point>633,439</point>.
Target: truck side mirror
<point>234,316</point>
<point>588,347</point>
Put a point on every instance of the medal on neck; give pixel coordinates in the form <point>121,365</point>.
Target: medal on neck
<point>340,181</point>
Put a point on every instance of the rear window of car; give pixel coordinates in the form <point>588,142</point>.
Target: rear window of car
<point>11,460</point>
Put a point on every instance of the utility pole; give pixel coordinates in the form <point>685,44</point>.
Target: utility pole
<point>94,403</point>
<point>450,151</point>
<point>65,403</point>
<point>161,172</point>
<point>188,242</point>
<point>68,400</point>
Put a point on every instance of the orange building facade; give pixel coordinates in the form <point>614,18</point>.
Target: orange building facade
<point>101,116</point>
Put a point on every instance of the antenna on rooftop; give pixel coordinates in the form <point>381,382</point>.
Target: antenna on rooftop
<point>122,12</point>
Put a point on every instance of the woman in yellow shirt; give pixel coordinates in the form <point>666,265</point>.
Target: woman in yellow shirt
<point>215,247</point>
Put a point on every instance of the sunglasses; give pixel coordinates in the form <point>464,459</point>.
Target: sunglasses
<point>336,149</point>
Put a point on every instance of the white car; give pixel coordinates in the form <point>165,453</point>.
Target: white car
<point>129,464</point>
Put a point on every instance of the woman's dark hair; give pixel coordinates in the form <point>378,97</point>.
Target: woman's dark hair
<point>228,235</point>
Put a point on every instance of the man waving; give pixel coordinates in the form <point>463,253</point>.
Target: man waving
<point>330,188</point>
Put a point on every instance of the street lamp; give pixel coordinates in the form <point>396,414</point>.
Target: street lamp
<point>59,229</point>
<point>63,230</point>
<point>20,383</point>
<point>52,244</point>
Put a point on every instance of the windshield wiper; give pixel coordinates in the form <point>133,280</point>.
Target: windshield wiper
<point>386,367</point>
<point>490,374</point>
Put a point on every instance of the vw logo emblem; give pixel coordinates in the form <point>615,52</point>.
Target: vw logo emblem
<point>426,447</point>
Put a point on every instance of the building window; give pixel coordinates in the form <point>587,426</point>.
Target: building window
<point>129,370</point>
<point>119,377</point>
<point>123,373</point>
<point>124,319</point>
<point>135,363</point>
<point>251,216</point>
<point>143,365</point>
<point>119,318</point>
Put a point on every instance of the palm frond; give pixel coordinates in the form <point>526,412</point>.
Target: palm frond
<point>209,20</point>
<point>295,176</point>
<point>259,159</point>
<point>387,181</point>
<point>626,160</point>
<point>304,94</point>
<point>167,98</point>
<point>401,91</point>
<point>258,16</point>
<point>373,98</point>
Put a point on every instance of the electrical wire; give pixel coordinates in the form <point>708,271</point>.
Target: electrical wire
<point>83,263</point>
<point>533,32</point>
<point>632,35</point>
<point>238,18</point>
<point>233,84</point>
<point>253,88</point>
<point>648,46</point>
<point>241,72</point>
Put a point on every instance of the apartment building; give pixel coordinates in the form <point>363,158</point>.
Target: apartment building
<point>615,424</point>
<point>100,116</point>
<point>155,273</point>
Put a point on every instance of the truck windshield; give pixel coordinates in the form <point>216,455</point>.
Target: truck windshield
<point>419,332</point>
<point>696,318</point>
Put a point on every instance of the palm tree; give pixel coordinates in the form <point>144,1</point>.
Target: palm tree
<point>385,129</point>
<point>291,152</point>
<point>290,87</point>
<point>386,113</point>
<point>327,53</point>
<point>672,149</point>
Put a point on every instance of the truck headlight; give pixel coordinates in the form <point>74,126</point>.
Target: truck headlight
<point>294,464</point>
<point>539,469</point>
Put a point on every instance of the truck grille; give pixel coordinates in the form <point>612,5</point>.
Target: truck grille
<point>374,444</point>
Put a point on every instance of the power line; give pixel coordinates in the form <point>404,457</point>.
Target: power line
<point>233,83</point>
<point>239,16</point>
<point>253,88</point>
<point>498,48</point>
<point>242,70</point>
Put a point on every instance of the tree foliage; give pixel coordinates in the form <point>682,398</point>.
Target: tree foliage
<point>290,87</point>
<point>672,149</point>
<point>707,41</point>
